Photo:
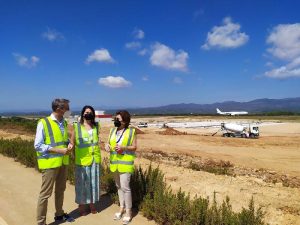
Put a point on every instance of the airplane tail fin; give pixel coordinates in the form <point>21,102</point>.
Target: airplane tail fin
<point>218,111</point>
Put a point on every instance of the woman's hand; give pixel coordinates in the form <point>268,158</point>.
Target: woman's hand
<point>120,149</point>
<point>70,147</point>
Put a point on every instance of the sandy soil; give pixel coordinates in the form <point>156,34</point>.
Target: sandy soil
<point>281,204</point>
<point>11,135</point>
<point>277,150</point>
<point>20,187</point>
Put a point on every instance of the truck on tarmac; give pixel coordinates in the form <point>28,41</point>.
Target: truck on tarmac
<point>237,130</point>
<point>142,124</point>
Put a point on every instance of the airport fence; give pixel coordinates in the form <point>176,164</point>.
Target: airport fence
<point>151,195</point>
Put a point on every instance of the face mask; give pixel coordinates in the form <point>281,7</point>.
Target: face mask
<point>67,114</point>
<point>117,123</point>
<point>89,116</point>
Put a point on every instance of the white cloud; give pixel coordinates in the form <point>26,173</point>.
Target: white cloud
<point>226,36</point>
<point>285,39</point>
<point>165,57</point>
<point>114,82</point>
<point>177,80</point>
<point>100,55</point>
<point>290,70</point>
<point>133,45</point>
<point>25,61</point>
<point>138,34</point>
<point>143,52</point>
<point>283,72</point>
<point>285,45</point>
<point>269,64</point>
<point>53,35</point>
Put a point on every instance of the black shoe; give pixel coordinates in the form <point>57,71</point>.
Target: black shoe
<point>64,217</point>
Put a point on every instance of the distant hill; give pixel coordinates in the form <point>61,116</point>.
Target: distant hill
<point>264,105</point>
<point>256,106</point>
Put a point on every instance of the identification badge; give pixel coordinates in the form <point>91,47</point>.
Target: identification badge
<point>85,139</point>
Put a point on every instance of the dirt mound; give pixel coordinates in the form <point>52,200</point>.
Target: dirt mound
<point>220,167</point>
<point>269,176</point>
<point>171,131</point>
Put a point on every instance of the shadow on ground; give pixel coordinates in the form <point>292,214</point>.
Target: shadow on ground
<point>105,202</point>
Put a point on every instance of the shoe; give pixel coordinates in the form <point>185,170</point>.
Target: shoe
<point>64,217</point>
<point>118,216</point>
<point>81,210</point>
<point>126,220</point>
<point>93,209</point>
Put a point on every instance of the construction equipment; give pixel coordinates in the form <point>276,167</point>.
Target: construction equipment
<point>142,124</point>
<point>237,130</point>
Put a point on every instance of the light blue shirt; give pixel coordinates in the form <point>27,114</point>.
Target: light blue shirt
<point>39,142</point>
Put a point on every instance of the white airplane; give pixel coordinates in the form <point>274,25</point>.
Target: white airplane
<point>231,113</point>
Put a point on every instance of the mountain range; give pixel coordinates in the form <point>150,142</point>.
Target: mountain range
<point>255,106</point>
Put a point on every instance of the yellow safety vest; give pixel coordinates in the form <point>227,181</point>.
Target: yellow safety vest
<point>55,139</point>
<point>86,148</point>
<point>124,163</point>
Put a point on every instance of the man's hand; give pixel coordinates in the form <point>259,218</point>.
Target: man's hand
<point>107,147</point>
<point>63,151</point>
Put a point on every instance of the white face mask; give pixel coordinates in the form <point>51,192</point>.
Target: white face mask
<point>67,114</point>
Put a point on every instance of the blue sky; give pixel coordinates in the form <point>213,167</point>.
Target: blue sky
<point>147,53</point>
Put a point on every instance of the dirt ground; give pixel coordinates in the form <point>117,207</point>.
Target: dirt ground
<point>18,202</point>
<point>277,151</point>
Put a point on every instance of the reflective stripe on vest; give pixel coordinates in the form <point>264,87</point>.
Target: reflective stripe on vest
<point>113,130</point>
<point>53,143</point>
<point>86,150</point>
<point>48,156</point>
<point>124,162</point>
<point>80,138</point>
<point>49,160</point>
<point>124,152</point>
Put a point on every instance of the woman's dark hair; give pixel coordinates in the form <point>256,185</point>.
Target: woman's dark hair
<point>125,117</point>
<point>93,112</point>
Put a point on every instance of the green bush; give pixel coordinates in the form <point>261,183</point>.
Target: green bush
<point>151,194</point>
<point>21,150</point>
<point>216,168</point>
<point>107,179</point>
<point>19,123</point>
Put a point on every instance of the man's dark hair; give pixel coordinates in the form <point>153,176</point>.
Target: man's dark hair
<point>59,103</point>
<point>125,117</point>
<point>82,112</point>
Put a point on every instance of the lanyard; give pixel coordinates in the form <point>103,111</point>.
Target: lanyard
<point>120,136</point>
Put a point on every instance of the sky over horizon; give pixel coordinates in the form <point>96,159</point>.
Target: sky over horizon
<point>147,53</point>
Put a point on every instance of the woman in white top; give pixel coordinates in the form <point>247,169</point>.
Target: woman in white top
<point>122,144</point>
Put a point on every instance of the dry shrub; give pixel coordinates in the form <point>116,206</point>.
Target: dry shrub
<point>151,194</point>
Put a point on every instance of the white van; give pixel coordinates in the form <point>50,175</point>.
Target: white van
<point>142,124</point>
